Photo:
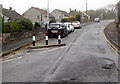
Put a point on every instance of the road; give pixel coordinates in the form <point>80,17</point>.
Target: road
<point>86,58</point>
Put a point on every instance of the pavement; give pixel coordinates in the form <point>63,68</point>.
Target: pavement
<point>112,31</point>
<point>113,36</point>
<point>87,57</point>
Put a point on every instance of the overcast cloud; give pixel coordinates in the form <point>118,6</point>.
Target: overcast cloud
<point>22,5</point>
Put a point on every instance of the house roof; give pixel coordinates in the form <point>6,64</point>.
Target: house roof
<point>63,12</point>
<point>11,14</point>
<point>43,12</point>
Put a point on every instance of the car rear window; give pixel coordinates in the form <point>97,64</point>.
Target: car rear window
<point>76,22</point>
<point>54,25</point>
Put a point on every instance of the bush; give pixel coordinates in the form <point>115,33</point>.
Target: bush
<point>37,25</point>
<point>10,27</point>
<point>17,26</point>
<point>52,21</point>
<point>7,27</point>
<point>14,27</point>
<point>25,24</point>
<point>1,23</point>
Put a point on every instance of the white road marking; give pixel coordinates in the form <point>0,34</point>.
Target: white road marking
<point>13,59</point>
<point>28,53</point>
<point>52,49</point>
<point>41,49</point>
<point>20,57</point>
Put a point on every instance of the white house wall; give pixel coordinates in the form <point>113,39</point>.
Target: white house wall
<point>58,16</point>
<point>32,14</point>
<point>5,18</point>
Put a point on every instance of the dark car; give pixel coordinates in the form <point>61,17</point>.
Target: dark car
<point>55,28</point>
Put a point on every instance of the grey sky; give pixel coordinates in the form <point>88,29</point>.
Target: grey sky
<point>22,5</point>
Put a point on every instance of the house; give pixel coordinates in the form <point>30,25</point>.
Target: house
<point>37,15</point>
<point>59,14</point>
<point>74,12</point>
<point>9,14</point>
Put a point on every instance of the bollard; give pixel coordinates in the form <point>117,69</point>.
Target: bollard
<point>59,38</point>
<point>46,38</point>
<point>33,39</point>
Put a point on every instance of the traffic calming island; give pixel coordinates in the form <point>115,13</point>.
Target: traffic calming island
<point>46,46</point>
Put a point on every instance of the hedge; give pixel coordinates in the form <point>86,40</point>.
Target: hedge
<point>25,24</point>
<point>14,27</point>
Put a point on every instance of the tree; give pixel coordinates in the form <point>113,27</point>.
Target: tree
<point>92,14</point>
<point>77,17</point>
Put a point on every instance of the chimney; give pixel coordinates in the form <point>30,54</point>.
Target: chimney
<point>1,7</point>
<point>10,8</point>
<point>75,10</point>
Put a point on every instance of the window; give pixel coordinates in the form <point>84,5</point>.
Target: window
<point>38,17</point>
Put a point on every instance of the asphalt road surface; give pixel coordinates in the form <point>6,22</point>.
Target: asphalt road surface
<point>86,58</point>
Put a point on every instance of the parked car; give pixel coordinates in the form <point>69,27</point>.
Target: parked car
<point>69,26</point>
<point>76,24</point>
<point>97,20</point>
<point>55,28</point>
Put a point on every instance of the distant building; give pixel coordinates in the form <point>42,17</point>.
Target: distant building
<point>37,15</point>
<point>59,14</point>
<point>9,14</point>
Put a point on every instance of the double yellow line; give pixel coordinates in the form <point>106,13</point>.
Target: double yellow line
<point>116,50</point>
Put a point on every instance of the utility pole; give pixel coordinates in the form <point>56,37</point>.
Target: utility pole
<point>86,11</point>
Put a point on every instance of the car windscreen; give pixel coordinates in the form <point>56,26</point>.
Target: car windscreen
<point>54,25</point>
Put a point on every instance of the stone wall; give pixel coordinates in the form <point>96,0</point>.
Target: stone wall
<point>10,37</point>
